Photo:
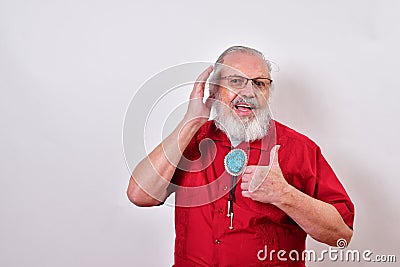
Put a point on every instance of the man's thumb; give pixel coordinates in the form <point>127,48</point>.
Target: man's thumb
<point>273,155</point>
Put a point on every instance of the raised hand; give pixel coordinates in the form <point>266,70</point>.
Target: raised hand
<point>199,111</point>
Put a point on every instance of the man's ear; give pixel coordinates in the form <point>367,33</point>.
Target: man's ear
<point>213,89</point>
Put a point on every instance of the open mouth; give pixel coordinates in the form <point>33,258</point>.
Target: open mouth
<point>244,107</point>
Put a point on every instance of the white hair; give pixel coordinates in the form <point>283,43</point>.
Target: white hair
<point>238,48</point>
<point>241,129</point>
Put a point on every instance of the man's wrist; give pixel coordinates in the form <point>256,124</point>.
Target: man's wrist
<point>193,123</point>
<point>287,196</point>
<point>189,127</point>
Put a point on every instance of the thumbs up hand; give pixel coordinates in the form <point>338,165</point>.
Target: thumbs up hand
<point>265,183</point>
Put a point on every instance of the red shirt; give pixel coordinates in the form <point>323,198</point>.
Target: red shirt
<point>203,237</point>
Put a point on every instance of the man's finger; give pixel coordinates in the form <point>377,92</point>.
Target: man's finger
<point>246,177</point>
<point>199,85</point>
<point>246,194</point>
<point>204,75</point>
<point>250,169</point>
<point>244,186</point>
<point>258,179</point>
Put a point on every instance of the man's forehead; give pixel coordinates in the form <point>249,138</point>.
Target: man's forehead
<point>244,64</point>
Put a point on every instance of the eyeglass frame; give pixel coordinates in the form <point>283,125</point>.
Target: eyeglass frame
<point>248,79</point>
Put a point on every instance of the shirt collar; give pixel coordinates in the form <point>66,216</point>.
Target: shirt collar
<point>264,144</point>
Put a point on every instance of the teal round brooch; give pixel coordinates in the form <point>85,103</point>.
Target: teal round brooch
<point>235,161</point>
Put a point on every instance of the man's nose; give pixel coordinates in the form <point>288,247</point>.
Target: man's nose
<point>248,90</point>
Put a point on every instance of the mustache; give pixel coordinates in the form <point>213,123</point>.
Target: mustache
<point>244,99</point>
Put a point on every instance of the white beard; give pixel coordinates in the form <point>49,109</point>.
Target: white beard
<point>241,129</point>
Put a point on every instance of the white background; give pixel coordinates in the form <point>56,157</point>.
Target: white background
<point>68,70</point>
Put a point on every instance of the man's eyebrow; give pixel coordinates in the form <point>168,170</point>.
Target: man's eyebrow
<point>258,77</point>
<point>235,75</point>
<point>238,75</point>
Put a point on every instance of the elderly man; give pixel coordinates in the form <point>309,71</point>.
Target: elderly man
<point>246,186</point>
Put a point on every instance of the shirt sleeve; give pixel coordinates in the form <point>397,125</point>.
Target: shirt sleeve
<point>329,189</point>
<point>190,161</point>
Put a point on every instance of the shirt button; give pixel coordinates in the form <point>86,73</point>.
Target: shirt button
<point>217,241</point>
<point>225,188</point>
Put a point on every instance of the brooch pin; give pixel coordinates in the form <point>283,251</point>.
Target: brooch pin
<point>235,161</point>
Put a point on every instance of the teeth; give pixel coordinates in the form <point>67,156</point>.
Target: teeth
<point>243,106</point>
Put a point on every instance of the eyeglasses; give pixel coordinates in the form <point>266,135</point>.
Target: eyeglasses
<point>239,82</point>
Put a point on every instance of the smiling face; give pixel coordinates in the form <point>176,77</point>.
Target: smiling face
<point>248,66</point>
<point>242,113</point>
